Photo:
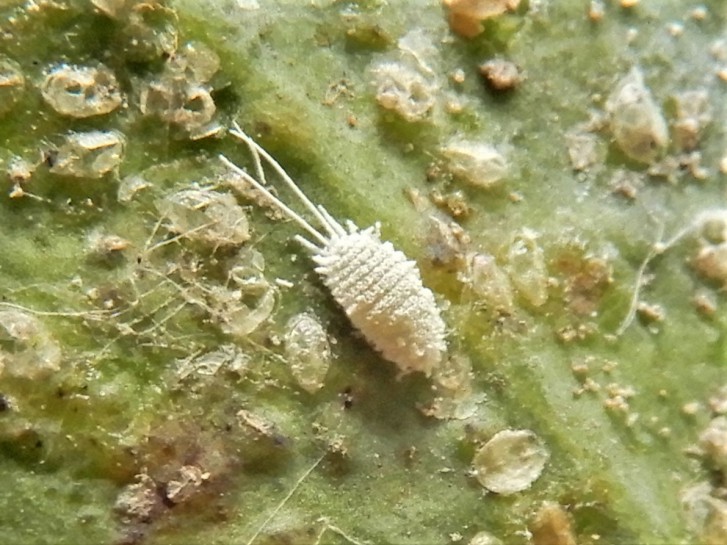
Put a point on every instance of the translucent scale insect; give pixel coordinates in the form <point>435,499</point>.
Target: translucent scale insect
<point>380,290</point>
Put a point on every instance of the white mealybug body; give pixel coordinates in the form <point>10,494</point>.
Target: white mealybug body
<point>380,290</point>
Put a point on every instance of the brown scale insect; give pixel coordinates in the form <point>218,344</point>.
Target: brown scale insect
<point>380,290</point>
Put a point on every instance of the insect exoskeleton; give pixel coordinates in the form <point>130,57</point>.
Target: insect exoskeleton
<point>378,287</point>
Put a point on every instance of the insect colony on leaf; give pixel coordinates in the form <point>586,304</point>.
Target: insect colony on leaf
<point>380,290</point>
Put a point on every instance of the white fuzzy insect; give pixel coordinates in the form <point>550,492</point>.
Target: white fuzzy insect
<point>380,290</point>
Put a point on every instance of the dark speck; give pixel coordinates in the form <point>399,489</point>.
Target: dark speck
<point>347,396</point>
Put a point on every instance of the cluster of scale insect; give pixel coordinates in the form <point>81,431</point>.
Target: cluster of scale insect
<point>179,95</point>
<point>149,297</point>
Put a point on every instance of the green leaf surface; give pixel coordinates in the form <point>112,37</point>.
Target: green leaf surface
<point>606,339</point>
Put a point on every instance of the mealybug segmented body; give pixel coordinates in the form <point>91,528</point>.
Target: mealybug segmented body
<point>380,290</point>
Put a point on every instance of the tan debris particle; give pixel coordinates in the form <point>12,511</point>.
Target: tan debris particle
<point>706,513</point>
<point>691,408</point>
<point>693,114</point>
<point>650,312</point>
<point>664,432</point>
<point>596,11</point>
<point>458,76</point>
<point>185,483</point>
<point>139,501</point>
<point>446,243</point>
<point>705,303</point>
<point>715,528</point>
<point>713,442</point>
<point>552,525</point>
<point>723,161</point>
<point>584,148</point>
<point>580,369</point>
<point>699,13</point>
<point>718,401</point>
<point>484,538</point>
<point>466,16</point>
<point>590,385</point>
<point>501,75</point>
<point>256,423</point>
<point>711,262</point>
<point>675,30</point>
<point>12,84</point>
<point>455,203</point>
